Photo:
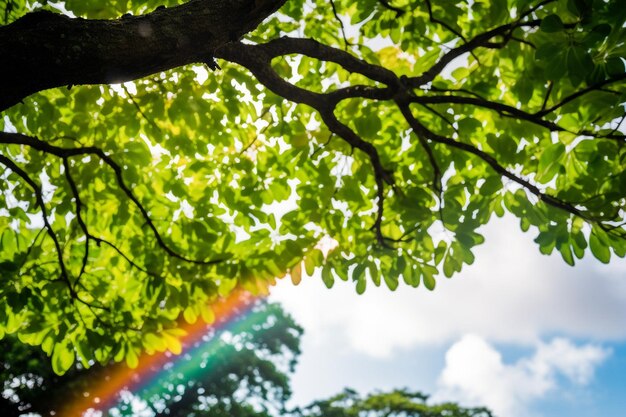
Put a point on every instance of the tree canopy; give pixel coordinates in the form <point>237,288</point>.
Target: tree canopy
<point>367,139</point>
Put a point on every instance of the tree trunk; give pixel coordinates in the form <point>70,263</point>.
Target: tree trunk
<point>44,50</point>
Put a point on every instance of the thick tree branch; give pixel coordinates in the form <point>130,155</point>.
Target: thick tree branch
<point>44,50</point>
<point>313,49</point>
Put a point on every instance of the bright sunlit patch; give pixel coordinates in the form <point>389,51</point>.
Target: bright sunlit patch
<point>196,358</point>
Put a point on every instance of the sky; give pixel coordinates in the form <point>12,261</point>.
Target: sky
<point>519,332</point>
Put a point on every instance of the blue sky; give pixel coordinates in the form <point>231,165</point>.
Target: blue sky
<point>519,332</point>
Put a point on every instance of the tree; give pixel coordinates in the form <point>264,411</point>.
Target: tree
<point>370,139</point>
<point>244,375</point>
<point>395,403</point>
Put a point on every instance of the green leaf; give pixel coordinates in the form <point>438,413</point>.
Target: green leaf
<point>598,34</point>
<point>391,281</point>
<point>566,253</point>
<point>327,277</point>
<point>551,23</point>
<point>491,186</point>
<point>550,162</point>
<point>468,125</point>
<point>62,358</point>
<point>503,145</point>
<point>615,66</point>
<point>374,273</point>
<point>360,286</point>
<point>525,89</point>
<point>440,251</point>
<point>579,64</point>
<point>547,51</point>
<point>555,65</point>
<point>449,266</point>
<point>579,7</point>
<point>359,271</point>
<point>411,276</point>
<point>368,126</point>
<point>132,360</point>
<point>429,281</point>
<point>599,249</point>
<point>313,259</point>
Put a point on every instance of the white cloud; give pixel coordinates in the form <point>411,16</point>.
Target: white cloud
<point>511,294</point>
<point>475,373</point>
<point>576,363</point>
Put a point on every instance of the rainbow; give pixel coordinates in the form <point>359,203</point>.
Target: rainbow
<point>149,374</point>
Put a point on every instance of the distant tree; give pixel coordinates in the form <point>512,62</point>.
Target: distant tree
<point>396,403</point>
<point>392,130</point>
<point>243,375</point>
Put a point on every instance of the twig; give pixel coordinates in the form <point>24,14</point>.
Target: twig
<point>343,29</point>
<point>42,205</point>
<point>132,99</point>
<point>387,5</point>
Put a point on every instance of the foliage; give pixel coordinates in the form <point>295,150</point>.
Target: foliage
<point>395,135</point>
<point>243,375</point>
<point>395,403</point>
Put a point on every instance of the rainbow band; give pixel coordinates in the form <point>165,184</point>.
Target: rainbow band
<point>149,374</point>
